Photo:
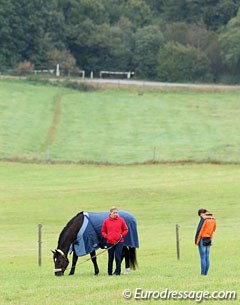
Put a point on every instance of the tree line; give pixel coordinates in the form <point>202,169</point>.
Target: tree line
<point>165,40</point>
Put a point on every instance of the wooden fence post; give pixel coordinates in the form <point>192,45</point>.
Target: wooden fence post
<point>39,245</point>
<point>177,241</point>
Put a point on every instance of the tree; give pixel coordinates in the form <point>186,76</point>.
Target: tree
<point>103,47</point>
<point>197,36</point>
<point>77,11</point>
<point>214,13</point>
<point>230,43</point>
<point>114,10</point>
<point>122,46</point>
<point>219,12</point>
<point>9,55</point>
<point>148,41</point>
<point>64,58</point>
<point>90,45</point>
<point>157,6</point>
<point>194,11</point>
<point>27,31</point>
<point>179,63</point>
<point>174,10</point>
<point>138,12</point>
<point>121,34</point>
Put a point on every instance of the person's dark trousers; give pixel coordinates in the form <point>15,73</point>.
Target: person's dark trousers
<point>117,252</point>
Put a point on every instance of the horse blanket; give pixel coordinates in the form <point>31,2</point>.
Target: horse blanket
<point>89,237</point>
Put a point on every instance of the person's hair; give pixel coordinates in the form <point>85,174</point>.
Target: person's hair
<point>113,208</point>
<point>201,211</point>
<point>209,213</point>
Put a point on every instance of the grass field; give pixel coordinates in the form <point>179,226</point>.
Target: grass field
<point>160,196</point>
<point>118,126</point>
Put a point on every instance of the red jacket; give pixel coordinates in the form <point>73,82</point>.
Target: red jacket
<point>113,229</point>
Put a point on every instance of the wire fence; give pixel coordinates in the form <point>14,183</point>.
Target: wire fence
<point>112,155</point>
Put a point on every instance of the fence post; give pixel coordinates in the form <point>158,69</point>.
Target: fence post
<point>39,245</point>
<point>57,71</point>
<point>177,241</point>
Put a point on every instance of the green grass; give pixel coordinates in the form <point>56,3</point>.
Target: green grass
<point>133,125</point>
<point>118,126</point>
<point>160,196</point>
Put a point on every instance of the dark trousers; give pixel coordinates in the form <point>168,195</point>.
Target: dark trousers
<point>115,251</point>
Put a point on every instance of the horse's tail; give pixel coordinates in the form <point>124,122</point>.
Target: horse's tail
<point>133,258</point>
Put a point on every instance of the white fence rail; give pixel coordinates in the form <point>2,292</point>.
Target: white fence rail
<point>129,74</point>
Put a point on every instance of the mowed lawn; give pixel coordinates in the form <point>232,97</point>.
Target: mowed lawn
<point>118,125</point>
<point>160,196</point>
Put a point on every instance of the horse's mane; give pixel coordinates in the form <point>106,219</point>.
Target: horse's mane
<point>71,221</point>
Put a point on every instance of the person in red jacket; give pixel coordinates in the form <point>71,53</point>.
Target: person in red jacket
<point>114,229</point>
<point>204,236</point>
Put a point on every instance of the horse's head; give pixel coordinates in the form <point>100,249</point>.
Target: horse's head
<point>60,262</point>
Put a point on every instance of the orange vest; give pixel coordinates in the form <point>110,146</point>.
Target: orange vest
<point>207,229</point>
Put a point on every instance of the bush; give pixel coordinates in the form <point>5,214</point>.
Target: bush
<point>179,63</point>
<point>64,58</point>
<point>78,86</point>
<point>24,67</point>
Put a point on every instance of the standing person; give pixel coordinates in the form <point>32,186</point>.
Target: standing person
<point>203,238</point>
<point>114,229</point>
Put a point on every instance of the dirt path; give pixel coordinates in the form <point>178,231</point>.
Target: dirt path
<point>52,131</point>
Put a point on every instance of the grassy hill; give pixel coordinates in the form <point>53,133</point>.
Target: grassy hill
<point>118,126</point>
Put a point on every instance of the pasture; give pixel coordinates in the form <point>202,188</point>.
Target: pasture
<point>115,125</point>
<point>158,195</point>
<point>80,132</point>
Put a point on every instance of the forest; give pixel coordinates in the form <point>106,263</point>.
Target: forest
<point>162,40</point>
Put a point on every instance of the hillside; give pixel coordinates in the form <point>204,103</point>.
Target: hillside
<point>42,122</point>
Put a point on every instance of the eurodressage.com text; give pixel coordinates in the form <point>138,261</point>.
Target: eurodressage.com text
<point>198,296</point>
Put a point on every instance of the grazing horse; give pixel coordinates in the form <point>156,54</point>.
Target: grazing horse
<point>82,235</point>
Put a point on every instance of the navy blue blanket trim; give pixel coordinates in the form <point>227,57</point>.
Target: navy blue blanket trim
<point>89,237</point>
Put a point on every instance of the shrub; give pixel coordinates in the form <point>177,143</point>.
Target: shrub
<point>64,58</point>
<point>179,63</point>
<point>24,67</point>
<point>78,86</point>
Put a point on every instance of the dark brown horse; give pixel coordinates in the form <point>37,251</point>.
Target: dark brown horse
<point>68,242</point>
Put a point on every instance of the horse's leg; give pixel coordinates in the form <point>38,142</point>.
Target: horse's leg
<point>127,260</point>
<point>74,262</point>
<point>94,260</point>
